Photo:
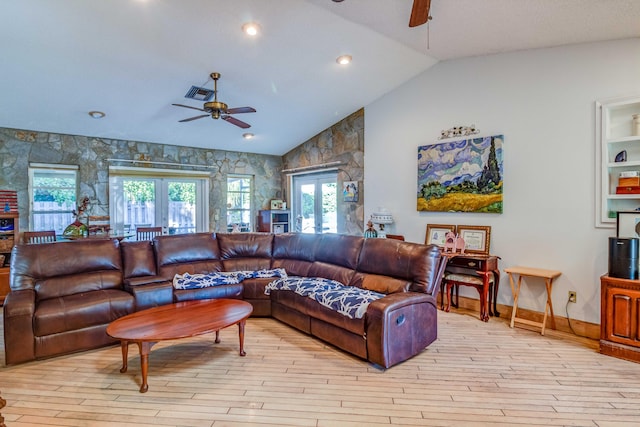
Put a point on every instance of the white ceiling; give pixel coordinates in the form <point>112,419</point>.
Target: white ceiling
<point>132,59</point>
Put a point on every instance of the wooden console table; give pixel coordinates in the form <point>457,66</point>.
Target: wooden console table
<point>620,318</point>
<point>548,276</point>
<point>478,271</point>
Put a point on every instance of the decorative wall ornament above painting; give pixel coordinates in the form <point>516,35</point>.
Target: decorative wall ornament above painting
<point>461,176</point>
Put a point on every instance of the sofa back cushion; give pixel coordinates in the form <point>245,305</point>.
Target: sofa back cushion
<point>294,252</point>
<point>413,262</point>
<point>66,268</point>
<point>186,253</point>
<point>245,251</point>
<point>138,259</point>
<point>330,271</point>
<point>338,249</point>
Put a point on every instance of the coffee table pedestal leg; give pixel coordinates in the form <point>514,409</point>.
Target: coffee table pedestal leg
<point>241,336</point>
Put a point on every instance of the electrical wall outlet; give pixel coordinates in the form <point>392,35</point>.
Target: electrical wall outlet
<point>573,296</point>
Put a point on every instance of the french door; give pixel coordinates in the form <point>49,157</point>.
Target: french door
<point>178,205</point>
<point>315,198</point>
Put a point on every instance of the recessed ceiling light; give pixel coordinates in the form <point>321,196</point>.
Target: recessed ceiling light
<point>251,28</point>
<point>248,135</point>
<point>343,59</point>
<point>97,114</point>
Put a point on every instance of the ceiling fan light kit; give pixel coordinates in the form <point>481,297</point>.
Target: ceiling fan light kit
<point>217,109</point>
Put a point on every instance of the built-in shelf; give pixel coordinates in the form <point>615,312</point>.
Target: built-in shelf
<point>614,134</point>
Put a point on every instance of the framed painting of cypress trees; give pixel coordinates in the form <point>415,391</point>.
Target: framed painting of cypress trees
<point>461,176</point>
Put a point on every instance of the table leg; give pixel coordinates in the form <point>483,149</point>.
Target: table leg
<point>548,308</point>
<point>217,337</point>
<point>496,284</point>
<point>241,336</point>
<point>448,288</point>
<point>484,301</point>
<point>515,289</point>
<point>145,348</point>
<point>484,296</point>
<point>124,346</point>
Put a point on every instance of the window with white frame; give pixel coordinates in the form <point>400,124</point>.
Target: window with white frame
<point>239,206</point>
<point>53,196</point>
<point>177,201</point>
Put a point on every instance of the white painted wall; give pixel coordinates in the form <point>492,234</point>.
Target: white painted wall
<point>542,101</point>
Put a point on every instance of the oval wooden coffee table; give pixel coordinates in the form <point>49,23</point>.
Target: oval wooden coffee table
<point>174,321</point>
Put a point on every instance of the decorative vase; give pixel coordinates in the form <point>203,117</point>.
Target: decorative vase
<point>75,229</point>
<point>621,156</point>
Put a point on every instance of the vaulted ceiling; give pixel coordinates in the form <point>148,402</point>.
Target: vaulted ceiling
<point>133,59</point>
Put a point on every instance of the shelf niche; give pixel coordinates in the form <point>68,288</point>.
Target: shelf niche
<point>614,134</point>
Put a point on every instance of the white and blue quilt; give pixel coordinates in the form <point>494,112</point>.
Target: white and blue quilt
<point>346,300</point>
<point>199,281</point>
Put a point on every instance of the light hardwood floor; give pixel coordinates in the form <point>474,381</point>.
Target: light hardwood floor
<point>475,374</point>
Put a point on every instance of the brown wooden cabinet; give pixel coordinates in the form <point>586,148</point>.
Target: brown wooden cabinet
<point>620,318</point>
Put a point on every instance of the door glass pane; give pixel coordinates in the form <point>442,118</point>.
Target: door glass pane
<point>182,207</point>
<point>307,208</point>
<point>329,201</point>
<point>140,204</point>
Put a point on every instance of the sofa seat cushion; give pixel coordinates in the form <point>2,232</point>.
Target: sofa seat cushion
<point>349,301</point>
<point>83,310</point>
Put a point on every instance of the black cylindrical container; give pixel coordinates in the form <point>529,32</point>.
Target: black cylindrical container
<point>623,257</point>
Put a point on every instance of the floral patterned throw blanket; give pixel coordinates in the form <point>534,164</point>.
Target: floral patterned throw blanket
<point>198,281</point>
<point>346,300</point>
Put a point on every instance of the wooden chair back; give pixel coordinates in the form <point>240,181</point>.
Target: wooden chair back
<point>147,233</point>
<point>31,237</point>
<point>395,236</point>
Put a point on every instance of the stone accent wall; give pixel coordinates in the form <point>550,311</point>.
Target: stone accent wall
<point>342,142</point>
<point>18,148</point>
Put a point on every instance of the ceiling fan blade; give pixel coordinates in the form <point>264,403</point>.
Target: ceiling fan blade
<point>419,12</point>
<point>187,106</point>
<point>193,118</point>
<point>241,110</point>
<point>236,122</point>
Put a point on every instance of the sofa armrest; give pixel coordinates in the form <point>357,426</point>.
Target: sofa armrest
<point>19,339</point>
<point>399,326</point>
<point>150,291</point>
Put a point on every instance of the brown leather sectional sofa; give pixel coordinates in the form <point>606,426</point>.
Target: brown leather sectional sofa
<point>63,295</point>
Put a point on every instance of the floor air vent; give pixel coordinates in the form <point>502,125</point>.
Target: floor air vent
<point>199,93</point>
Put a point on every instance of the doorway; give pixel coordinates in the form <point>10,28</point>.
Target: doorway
<point>315,200</point>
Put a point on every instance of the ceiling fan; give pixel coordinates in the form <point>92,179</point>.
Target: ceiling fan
<point>219,110</point>
<point>419,12</point>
